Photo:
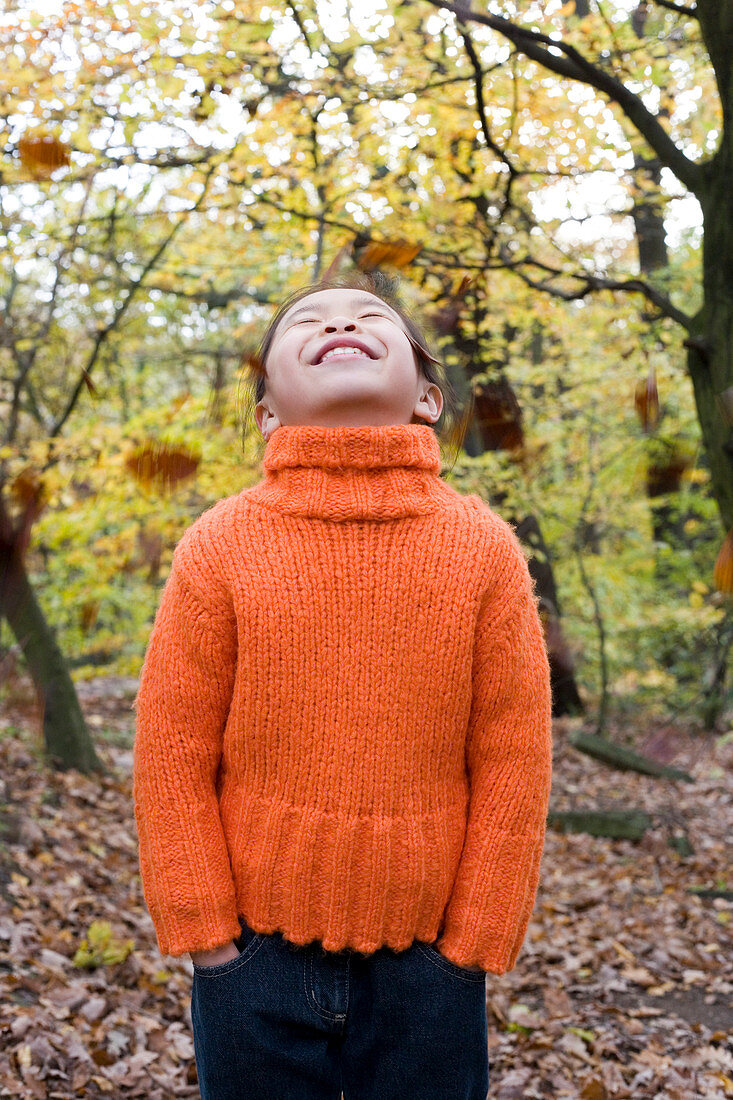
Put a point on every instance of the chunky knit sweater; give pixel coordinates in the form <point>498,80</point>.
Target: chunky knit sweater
<point>343,719</point>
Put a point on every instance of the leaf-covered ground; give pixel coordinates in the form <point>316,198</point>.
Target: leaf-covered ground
<point>623,988</point>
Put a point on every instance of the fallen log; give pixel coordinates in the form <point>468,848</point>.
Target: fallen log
<point>617,756</point>
<point>619,824</point>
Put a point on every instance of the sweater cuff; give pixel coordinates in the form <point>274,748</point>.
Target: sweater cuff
<point>214,931</point>
<point>487,916</point>
<point>467,950</point>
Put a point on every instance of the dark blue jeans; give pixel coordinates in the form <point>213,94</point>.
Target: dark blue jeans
<point>283,1022</point>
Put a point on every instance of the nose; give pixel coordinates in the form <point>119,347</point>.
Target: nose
<point>340,324</point>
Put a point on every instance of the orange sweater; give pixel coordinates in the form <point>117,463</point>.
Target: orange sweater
<point>343,720</point>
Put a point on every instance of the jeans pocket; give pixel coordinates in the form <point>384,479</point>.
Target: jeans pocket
<point>247,944</point>
<point>438,959</point>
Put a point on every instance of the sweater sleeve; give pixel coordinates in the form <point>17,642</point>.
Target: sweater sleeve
<point>182,706</point>
<point>509,763</point>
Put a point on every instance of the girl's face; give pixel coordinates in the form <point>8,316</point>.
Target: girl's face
<point>342,357</point>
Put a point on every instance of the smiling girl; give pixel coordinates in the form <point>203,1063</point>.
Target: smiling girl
<point>343,745</point>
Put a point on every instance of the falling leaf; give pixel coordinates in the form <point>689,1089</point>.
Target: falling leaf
<point>251,362</point>
<point>665,475</point>
<point>723,569</point>
<point>88,613</point>
<point>499,416</point>
<point>647,402</point>
<point>396,253</point>
<point>164,463</point>
<point>88,382</point>
<point>42,154</point>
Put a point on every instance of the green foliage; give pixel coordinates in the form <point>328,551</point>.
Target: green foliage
<point>101,551</point>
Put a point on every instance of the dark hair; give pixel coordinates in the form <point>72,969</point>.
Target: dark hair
<point>452,424</point>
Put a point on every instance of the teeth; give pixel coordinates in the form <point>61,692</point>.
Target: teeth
<point>342,351</point>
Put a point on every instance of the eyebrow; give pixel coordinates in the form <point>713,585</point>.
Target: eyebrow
<point>362,301</point>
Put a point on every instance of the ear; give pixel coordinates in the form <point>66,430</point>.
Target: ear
<point>267,419</point>
<point>430,405</point>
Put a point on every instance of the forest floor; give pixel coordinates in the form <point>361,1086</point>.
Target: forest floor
<point>623,987</point>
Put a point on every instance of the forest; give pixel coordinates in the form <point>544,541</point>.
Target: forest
<point>549,184</point>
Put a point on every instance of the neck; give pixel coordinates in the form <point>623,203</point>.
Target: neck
<point>365,472</point>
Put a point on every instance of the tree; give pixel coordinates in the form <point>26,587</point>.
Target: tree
<point>47,365</point>
<point>257,143</point>
<point>709,330</point>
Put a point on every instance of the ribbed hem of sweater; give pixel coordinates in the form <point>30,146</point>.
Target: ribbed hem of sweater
<point>310,874</point>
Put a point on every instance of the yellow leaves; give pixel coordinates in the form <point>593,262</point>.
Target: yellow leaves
<point>697,596</point>
<point>101,948</point>
<point>657,678</point>
<point>624,952</point>
<point>23,1056</point>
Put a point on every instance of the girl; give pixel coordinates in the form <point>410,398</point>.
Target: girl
<point>343,747</point>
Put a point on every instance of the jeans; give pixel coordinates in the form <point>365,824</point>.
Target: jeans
<point>284,1022</point>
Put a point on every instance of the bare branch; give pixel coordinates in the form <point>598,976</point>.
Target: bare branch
<point>589,283</point>
<point>213,299</point>
<point>296,16</point>
<point>681,9</point>
<point>480,103</point>
<point>567,61</point>
<point>103,333</point>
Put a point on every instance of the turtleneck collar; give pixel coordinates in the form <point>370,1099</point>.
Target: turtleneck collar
<point>341,473</point>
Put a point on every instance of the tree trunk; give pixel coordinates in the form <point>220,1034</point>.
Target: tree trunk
<point>651,239</point>
<point>663,474</point>
<point>565,696</point>
<point>710,359</point>
<point>66,737</point>
<point>496,425</point>
<point>710,352</point>
<point>617,824</point>
<point>618,756</point>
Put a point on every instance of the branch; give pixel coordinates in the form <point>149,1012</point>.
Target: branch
<point>103,333</point>
<point>590,283</point>
<point>573,65</point>
<point>480,103</point>
<point>296,16</point>
<point>213,299</point>
<point>682,9</point>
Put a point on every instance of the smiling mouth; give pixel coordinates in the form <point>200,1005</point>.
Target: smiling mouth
<point>346,352</point>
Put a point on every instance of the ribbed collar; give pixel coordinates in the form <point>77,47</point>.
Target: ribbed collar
<point>366,472</point>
